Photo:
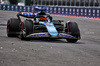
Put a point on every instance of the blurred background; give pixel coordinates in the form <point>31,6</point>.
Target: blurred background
<point>77,3</point>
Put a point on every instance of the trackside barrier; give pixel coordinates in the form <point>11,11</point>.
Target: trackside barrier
<point>69,11</point>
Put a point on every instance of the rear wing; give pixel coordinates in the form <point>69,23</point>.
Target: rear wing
<point>32,14</point>
<point>27,14</point>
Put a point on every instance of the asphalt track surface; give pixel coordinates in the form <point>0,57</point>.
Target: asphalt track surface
<point>86,52</point>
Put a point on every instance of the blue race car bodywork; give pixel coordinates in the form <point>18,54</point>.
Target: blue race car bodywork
<point>51,33</point>
<point>41,25</point>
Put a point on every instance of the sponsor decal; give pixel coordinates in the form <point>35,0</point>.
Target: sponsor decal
<point>66,35</point>
<point>50,8</point>
<point>62,9</point>
<point>47,8</point>
<point>98,11</point>
<point>55,9</point>
<point>85,10</point>
<point>12,7</point>
<point>66,9</point>
<point>73,10</point>
<point>78,10</point>
<point>81,10</point>
<point>16,8</point>
<point>93,11</point>
<point>29,14</point>
<point>4,7</point>
<point>36,35</point>
<point>70,10</point>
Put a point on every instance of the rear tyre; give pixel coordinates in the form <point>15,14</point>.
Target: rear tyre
<point>13,27</point>
<point>74,31</point>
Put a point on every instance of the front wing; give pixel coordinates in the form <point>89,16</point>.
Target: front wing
<point>47,35</point>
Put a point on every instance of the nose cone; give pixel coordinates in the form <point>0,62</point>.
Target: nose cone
<point>52,30</point>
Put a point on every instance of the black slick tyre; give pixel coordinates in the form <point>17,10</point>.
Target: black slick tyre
<point>13,27</point>
<point>28,29</point>
<point>73,30</point>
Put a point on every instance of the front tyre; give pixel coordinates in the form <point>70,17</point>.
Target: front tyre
<point>29,27</point>
<point>26,29</point>
<point>74,31</point>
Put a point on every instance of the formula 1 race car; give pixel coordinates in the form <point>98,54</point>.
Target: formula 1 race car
<point>41,25</point>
